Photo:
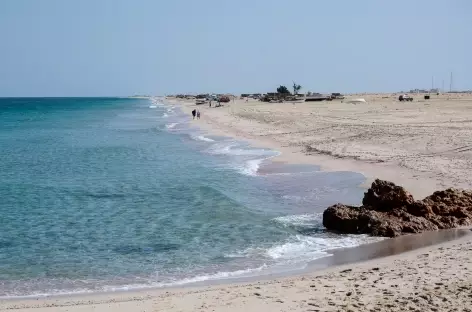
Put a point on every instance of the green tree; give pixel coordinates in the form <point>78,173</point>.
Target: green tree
<point>296,88</point>
<point>283,90</point>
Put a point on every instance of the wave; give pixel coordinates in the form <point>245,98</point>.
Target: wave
<point>233,148</point>
<point>300,248</point>
<point>248,166</point>
<point>155,103</point>
<point>191,280</point>
<point>201,138</point>
<point>146,284</point>
<point>293,253</point>
<point>304,220</point>
<point>171,125</point>
<point>251,167</point>
<point>165,115</point>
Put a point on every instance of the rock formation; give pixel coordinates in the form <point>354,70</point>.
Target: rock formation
<point>389,210</point>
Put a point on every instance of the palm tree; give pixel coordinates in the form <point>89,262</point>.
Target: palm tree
<point>296,88</point>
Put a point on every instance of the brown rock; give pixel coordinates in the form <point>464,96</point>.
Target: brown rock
<point>389,210</point>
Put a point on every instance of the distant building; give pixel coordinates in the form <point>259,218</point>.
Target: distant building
<point>435,90</point>
<point>418,91</point>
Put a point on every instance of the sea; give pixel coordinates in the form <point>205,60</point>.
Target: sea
<point>116,194</point>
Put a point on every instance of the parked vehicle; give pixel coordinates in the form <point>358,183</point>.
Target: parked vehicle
<point>405,97</point>
<point>224,99</point>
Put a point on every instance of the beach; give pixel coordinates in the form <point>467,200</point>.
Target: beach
<point>423,146</point>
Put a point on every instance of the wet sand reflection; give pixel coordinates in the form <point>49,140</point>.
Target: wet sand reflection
<point>388,247</point>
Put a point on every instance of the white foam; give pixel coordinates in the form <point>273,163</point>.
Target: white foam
<point>300,248</point>
<point>51,292</point>
<point>149,283</point>
<point>171,125</point>
<point>165,115</point>
<point>192,280</point>
<point>152,106</point>
<point>251,167</point>
<point>234,149</point>
<point>155,101</point>
<point>248,166</point>
<point>201,138</point>
<point>314,219</point>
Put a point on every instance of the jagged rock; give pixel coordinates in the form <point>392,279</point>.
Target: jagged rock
<point>389,210</point>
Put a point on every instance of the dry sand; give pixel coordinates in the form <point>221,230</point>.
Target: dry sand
<point>421,145</point>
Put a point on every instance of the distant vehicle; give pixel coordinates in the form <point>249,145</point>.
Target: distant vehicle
<point>405,97</point>
<point>315,97</point>
<point>336,96</point>
<point>224,99</point>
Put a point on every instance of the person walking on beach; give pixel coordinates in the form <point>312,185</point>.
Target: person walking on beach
<point>193,113</point>
<point>198,114</point>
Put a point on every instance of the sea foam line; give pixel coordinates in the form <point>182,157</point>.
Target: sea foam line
<point>251,167</point>
<point>149,285</point>
<point>201,138</point>
<point>171,125</point>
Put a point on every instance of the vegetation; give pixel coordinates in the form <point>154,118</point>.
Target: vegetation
<point>283,90</point>
<point>296,88</point>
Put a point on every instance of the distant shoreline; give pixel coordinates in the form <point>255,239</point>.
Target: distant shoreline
<point>357,137</point>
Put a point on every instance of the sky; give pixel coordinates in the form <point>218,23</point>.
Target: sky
<point>118,48</point>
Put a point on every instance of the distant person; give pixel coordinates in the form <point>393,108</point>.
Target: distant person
<point>198,114</point>
<point>210,103</point>
<point>194,112</point>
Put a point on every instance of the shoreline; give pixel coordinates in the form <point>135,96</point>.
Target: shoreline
<point>424,161</point>
<point>312,288</point>
<point>291,154</point>
<point>297,292</point>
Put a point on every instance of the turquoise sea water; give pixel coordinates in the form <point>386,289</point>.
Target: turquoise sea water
<point>102,194</point>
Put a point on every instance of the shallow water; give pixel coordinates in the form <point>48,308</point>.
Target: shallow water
<point>111,193</point>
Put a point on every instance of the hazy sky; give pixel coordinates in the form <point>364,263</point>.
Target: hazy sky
<point>117,47</point>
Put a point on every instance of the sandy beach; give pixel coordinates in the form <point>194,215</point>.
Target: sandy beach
<point>423,146</point>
